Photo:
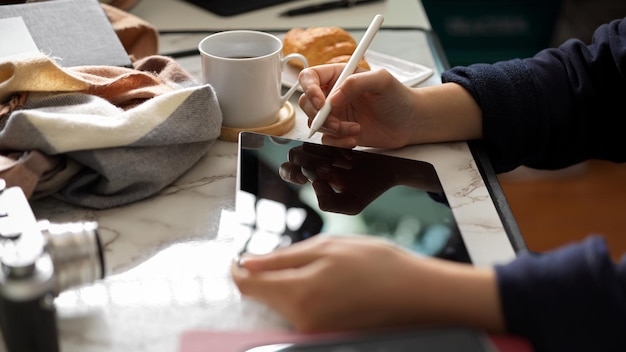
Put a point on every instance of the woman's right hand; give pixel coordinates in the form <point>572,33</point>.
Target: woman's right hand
<point>374,109</point>
<point>371,108</point>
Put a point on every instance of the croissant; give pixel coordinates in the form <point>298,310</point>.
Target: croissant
<point>320,45</point>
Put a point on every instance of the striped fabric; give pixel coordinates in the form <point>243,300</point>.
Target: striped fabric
<point>102,136</point>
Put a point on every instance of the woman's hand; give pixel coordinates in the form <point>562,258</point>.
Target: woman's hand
<point>374,109</point>
<point>332,283</point>
<point>344,181</point>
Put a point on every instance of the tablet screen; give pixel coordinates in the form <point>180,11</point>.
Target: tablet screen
<point>289,190</point>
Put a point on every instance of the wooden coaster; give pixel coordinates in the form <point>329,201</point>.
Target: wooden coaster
<point>286,121</point>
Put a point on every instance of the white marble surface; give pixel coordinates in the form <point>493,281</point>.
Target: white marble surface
<point>167,257</point>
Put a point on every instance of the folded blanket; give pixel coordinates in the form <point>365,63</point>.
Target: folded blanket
<point>100,136</point>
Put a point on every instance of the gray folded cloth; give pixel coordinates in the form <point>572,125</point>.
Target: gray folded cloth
<point>116,135</point>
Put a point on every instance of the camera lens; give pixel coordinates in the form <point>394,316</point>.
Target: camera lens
<point>76,253</point>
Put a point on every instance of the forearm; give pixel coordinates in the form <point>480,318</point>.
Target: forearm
<point>449,293</point>
<point>445,112</point>
<point>576,293</point>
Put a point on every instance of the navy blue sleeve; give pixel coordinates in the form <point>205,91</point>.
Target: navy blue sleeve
<point>560,107</point>
<point>571,299</point>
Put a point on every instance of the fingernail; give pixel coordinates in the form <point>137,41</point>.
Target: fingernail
<point>239,260</point>
<point>301,178</point>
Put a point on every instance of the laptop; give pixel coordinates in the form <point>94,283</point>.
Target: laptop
<point>358,192</point>
<point>231,8</point>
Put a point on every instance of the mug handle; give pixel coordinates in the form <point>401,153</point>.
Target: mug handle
<point>296,84</point>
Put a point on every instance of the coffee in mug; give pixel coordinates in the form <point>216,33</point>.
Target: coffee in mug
<point>245,69</point>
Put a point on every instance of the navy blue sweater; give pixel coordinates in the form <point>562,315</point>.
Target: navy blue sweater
<point>560,107</point>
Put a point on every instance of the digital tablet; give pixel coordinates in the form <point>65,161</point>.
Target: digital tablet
<point>422,340</point>
<point>290,190</point>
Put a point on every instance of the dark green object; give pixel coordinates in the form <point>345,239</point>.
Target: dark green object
<point>490,31</point>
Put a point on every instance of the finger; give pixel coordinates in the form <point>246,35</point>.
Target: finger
<point>341,134</point>
<point>307,106</point>
<point>260,285</point>
<point>330,198</point>
<point>294,256</point>
<point>331,125</point>
<point>344,158</point>
<point>277,287</point>
<point>339,141</point>
<point>315,83</point>
<point>310,159</point>
<point>292,173</point>
<point>324,75</point>
<point>327,198</point>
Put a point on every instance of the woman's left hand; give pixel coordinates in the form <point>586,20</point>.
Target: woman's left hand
<point>332,283</point>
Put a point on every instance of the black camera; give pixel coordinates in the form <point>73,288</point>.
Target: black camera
<point>38,261</point>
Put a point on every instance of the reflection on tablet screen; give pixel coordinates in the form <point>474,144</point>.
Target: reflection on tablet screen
<point>290,190</point>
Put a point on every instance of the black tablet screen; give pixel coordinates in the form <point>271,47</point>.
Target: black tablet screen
<point>291,190</point>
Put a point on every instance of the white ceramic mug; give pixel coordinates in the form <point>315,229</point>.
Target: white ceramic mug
<point>245,69</point>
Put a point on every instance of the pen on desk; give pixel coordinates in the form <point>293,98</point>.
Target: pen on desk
<point>357,55</point>
<point>330,5</point>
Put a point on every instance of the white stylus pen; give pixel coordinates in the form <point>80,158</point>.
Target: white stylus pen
<point>349,69</point>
